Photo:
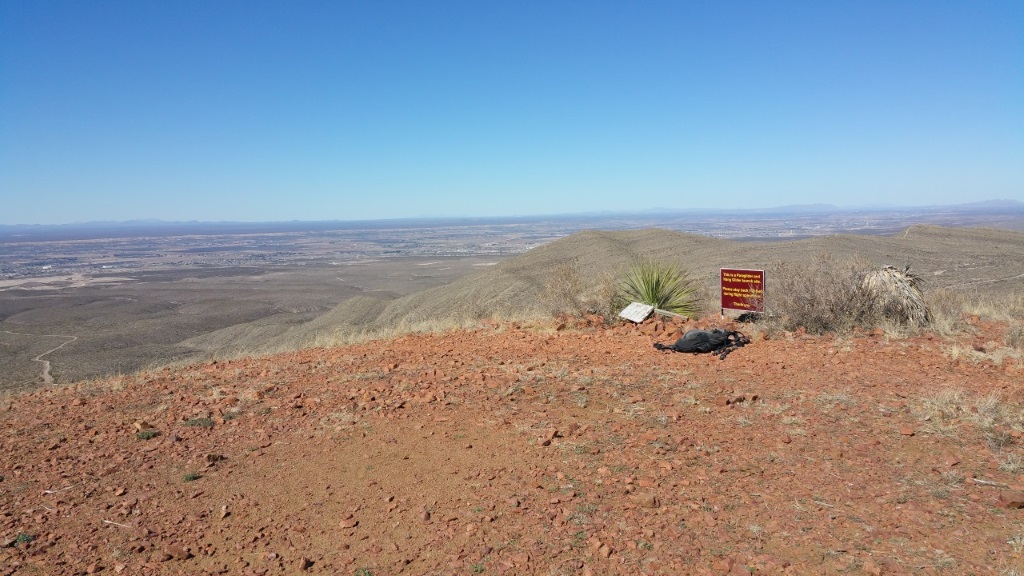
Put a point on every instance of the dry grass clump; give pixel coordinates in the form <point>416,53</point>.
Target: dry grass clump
<point>991,351</point>
<point>947,307</point>
<point>945,413</point>
<point>996,307</point>
<point>940,413</point>
<point>1015,336</point>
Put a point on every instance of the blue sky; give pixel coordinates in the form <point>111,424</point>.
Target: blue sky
<point>256,111</point>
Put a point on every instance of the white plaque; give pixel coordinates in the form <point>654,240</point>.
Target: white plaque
<point>636,312</point>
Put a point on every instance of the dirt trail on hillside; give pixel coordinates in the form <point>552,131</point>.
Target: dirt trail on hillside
<point>508,450</point>
<point>45,375</point>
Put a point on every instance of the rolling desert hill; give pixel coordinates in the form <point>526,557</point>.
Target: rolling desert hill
<point>976,260</point>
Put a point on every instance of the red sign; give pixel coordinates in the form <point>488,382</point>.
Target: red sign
<point>743,290</point>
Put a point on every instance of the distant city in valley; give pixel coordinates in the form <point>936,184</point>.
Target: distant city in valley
<point>110,248</point>
<point>85,300</point>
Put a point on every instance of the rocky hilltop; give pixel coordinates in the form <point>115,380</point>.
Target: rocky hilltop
<point>509,449</point>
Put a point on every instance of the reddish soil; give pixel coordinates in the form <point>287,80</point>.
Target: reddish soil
<point>520,451</point>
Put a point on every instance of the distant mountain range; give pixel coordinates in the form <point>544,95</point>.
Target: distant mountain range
<point>203,226</point>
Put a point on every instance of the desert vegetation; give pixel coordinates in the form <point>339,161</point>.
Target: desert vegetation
<point>823,295</point>
<point>566,291</point>
<point>829,295</point>
<point>661,284</point>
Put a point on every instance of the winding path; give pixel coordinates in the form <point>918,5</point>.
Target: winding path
<point>47,378</point>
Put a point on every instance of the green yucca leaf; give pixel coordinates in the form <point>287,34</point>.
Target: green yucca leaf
<point>662,285</point>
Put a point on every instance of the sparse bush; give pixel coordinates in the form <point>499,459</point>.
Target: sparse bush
<point>603,297</point>
<point>565,292</point>
<point>24,538</point>
<point>147,434</point>
<point>823,296</point>
<point>660,284</point>
<point>562,290</point>
<point>192,476</point>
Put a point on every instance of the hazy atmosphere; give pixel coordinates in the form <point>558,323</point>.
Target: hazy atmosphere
<point>353,110</point>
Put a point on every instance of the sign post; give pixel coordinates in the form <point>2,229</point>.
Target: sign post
<point>742,290</point>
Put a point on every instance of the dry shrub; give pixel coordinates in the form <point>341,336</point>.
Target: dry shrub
<point>566,292</point>
<point>822,296</point>
<point>603,296</point>
<point>829,295</point>
<point>706,299</point>
<point>562,290</point>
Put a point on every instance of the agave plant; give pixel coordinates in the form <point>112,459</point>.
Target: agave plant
<point>662,285</point>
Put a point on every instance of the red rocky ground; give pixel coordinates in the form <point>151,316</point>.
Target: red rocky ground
<point>522,451</point>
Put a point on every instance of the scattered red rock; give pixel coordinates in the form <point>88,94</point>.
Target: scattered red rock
<point>1011,499</point>
<point>591,454</point>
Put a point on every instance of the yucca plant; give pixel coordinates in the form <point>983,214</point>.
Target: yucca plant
<point>660,284</point>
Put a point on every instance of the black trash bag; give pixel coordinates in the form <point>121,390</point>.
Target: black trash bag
<point>721,342</point>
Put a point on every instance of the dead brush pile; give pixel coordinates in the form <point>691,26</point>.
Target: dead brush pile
<point>896,295</point>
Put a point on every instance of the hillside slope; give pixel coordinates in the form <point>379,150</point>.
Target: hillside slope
<point>971,258</point>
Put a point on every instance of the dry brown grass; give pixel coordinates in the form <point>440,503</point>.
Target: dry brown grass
<point>955,413</point>
<point>1015,336</point>
<point>948,311</point>
<point>996,307</point>
<point>992,352</point>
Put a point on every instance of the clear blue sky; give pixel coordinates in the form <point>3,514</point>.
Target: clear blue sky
<point>255,110</point>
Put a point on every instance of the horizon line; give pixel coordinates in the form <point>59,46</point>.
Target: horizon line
<point>999,203</point>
